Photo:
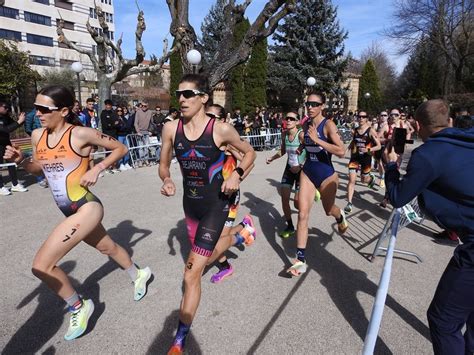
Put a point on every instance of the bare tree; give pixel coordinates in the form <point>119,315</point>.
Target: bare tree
<point>109,63</point>
<point>446,24</point>
<point>227,57</point>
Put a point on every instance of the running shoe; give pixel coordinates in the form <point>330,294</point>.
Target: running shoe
<point>299,267</point>
<point>371,183</point>
<point>317,196</point>
<point>44,184</point>
<point>248,233</point>
<point>79,319</point>
<point>128,167</point>
<point>176,349</point>
<point>342,227</point>
<point>288,232</point>
<point>248,221</point>
<point>222,274</point>
<point>5,191</point>
<point>18,188</point>
<point>140,283</point>
<point>348,208</point>
<point>382,183</point>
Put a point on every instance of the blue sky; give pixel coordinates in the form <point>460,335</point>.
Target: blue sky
<point>363,19</point>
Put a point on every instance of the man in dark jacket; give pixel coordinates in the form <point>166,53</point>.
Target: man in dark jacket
<point>441,174</point>
<point>7,126</point>
<point>110,125</point>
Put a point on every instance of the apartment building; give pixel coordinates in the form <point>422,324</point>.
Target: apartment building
<point>32,24</point>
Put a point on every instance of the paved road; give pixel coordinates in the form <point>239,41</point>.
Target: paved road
<point>256,311</point>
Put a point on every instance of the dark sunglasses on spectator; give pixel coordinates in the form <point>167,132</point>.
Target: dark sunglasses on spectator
<point>119,111</point>
<point>289,118</point>
<point>384,115</point>
<point>362,116</point>
<point>212,115</point>
<point>394,115</point>
<point>45,109</point>
<point>313,104</point>
<point>188,93</point>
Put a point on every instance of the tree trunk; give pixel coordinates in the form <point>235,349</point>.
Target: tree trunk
<point>104,85</point>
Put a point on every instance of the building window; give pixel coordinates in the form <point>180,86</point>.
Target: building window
<point>67,24</point>
<point>35,18</point>
<point>10,35</point>
<point>62,4</point>
<point>41,40</point>
<point>65,63</point>
<point>38,60</point>
<point>111,18</point>
<point>9,12</point>
<point>111,35</point>
<point>92,12</point>
<point>45,2</point>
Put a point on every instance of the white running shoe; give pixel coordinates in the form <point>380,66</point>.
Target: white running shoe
<point>43,183</point>
<point>79,319</point>
<point>127,166</point>
<point>122,167</point>
<point>115,171</point>
<point>140,284</point>
<point>19,188</point>
<point>5,191</point>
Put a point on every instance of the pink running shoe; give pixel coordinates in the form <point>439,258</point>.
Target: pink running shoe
<point>248,221</point>
<point>222,274</point>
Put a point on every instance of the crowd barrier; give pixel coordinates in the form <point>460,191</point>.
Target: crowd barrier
<point>399,218</point>
<point>264,139</point>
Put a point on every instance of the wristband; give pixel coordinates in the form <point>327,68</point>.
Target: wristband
<point>239,171</point>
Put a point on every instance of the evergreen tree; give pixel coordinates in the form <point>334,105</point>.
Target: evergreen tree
<point>237,74</point>
<point>176,73</point>
<point>308,43</point>
<point>369,83</point>
<point>212,29</point>
<point>256,76</point>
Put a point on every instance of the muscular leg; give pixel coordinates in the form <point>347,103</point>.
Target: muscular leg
<point>285,202</point>
<point>306,200</point>
<point>225,242</point>
<point>328,196</point>
<point>350,185</point>
<point>100,240</point>
<point>192,286</point>
<point>64,237</point>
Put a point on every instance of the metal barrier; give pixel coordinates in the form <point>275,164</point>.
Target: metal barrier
<point>381,296</point>
<point>143,149</point>
<point>264,138</point>
<point>409,213</point>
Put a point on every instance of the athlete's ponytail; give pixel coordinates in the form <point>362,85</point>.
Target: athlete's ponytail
<point>62,97</point>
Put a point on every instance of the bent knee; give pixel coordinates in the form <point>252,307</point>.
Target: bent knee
<point>303,216</point>
<point>40,269</point>
<point>108,249</point>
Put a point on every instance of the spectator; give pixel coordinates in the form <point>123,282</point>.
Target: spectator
<point>32,122</point>
<point>7,126</point>
<point>89,114</point>
<point>440,173</point>
<point>238,121</point>
<point>172,115</point>
<point>143,119</point>
<point>125,128</point>
<point>110,125</point>
<point>159,120</point>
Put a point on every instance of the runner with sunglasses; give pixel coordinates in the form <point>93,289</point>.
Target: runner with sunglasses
<point>61,151</point>
<point>364,143</point>
<point>232,156</point>
<point>291,175</point>
<point>382,134</point>
<point>321,139</point>
<point>200,143</point>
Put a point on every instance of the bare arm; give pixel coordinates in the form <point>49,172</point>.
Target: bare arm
<point>239,156</point>
<point>168,188</point>
<point>282,150</point>
<point>15,155</point>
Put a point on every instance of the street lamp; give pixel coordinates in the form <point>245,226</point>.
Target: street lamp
<point>367,97</point>
<point>311,81</point>
<point>78,68</point>
<point>194,58</point>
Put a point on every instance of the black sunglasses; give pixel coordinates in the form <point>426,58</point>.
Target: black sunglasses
<point>313,104</point>
<point>289,118</point>
<point>362,116</point>
<point>45,109</point>
<point>211,115</point>
<point>189,93</point>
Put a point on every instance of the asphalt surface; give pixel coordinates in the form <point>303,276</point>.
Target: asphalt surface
<point>257,310</point>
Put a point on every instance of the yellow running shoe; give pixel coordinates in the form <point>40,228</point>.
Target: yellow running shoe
<point>317,196</point>
<point>79,319</point>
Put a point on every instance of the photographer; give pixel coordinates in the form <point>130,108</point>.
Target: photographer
<point>440,173</point>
